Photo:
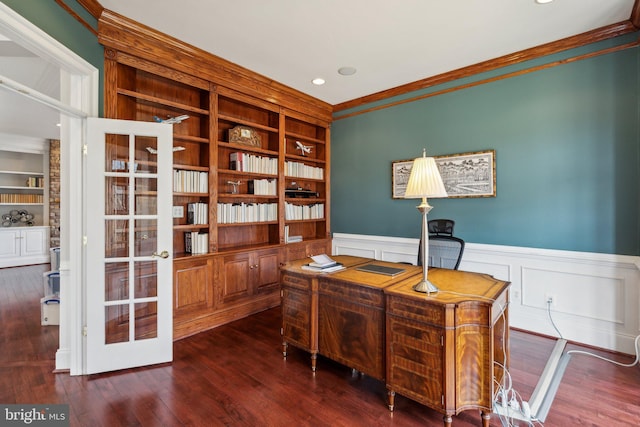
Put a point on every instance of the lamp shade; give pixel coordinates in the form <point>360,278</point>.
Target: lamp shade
<point>425,180</point>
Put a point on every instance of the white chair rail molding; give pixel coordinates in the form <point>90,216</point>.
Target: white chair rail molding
<point>595,297</point>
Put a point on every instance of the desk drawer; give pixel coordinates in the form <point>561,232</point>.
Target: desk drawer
<point>416,309</point>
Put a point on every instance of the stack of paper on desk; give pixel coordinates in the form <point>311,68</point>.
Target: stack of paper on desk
<point>322,263</point>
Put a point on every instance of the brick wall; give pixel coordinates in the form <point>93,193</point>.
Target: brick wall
<point>54,192</point>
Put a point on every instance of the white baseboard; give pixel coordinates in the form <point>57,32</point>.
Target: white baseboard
<point>596,296</point>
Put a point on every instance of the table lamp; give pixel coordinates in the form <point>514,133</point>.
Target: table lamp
<point>425,181</point>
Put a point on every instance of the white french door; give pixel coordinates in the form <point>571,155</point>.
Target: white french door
<point>129,242</point>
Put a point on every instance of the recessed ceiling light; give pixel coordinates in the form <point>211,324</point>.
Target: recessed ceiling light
<point>318,81</point>
<point>543,1</point>
<point>59,124</point>
<point>347,71</point>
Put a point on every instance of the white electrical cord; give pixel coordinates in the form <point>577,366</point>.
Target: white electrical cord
<point>586,353</point>
<point>624,365</point>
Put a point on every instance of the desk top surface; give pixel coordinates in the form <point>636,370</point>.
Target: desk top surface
<point>454,286</point>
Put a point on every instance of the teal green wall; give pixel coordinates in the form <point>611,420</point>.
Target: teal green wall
<point>55,21</point>
<point>567,157</point>
<point>566,141</point>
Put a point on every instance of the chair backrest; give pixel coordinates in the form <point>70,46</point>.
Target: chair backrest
<point>444,252</point>
<point>441,227</point>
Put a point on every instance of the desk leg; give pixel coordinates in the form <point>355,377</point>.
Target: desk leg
<point>284,349</point>
<point>392,398</point>
<point>314,358</point>
<point>447,420</point>
<point>486,417</point>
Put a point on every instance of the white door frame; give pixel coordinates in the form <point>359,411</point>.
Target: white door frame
<point>79,90</point>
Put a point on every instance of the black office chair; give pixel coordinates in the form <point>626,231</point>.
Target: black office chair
<point>441,227</point>
<point>445,250</point>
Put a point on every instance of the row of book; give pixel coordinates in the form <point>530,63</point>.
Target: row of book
<point>35,181</point>
<point>299,212</point>
<point>245,162</point>
<point>231,213</point>
<point>197,213</point>
<point>262,187</point>
<point>288,238</point>
<point>196,242</point>
<point>301,170</point>
<point>21,198</point>
<point>190,181</point>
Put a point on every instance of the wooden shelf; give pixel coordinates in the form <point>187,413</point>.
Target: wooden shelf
<point>304,138</point>
<point>246,123</point>
<point>21,173</point>
<point>161,101</point>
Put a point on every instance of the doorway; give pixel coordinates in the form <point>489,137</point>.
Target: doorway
<point>78,99</point>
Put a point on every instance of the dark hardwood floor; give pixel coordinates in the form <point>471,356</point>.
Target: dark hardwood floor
<point>235,375</point>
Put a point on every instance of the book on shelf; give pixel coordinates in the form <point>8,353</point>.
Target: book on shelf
<point>290,239</point>
<point>235,161</point>
<point>197,213</point>
<point>262,187</point>
<point>196,242</point>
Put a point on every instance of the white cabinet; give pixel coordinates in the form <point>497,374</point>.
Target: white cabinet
<point>24,182</point>
<point>24,246</point>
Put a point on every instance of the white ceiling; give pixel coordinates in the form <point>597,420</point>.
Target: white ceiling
<point>390,43</point>
<point>20,115</point>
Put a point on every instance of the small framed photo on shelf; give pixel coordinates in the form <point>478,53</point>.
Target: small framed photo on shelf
<point>244,135</point>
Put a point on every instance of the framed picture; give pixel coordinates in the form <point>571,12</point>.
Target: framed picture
<point>400,171</point>
<point>464,175</point>
<point>469,174</point>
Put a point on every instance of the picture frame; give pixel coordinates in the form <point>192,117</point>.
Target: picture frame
<point>400,172</point>
<point>470,174</point>
<point>465,175</point>
<point>244,135</point>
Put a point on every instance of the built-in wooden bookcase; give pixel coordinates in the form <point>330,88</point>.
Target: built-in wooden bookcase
<point>150,75</point>
<point>306,168</point>
<point>148,92</point>
<point>245,218</point>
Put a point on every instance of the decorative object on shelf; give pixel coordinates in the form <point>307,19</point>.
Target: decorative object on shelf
<point>424,181</point>
<point>176,148</point>
<point>304,149</point>
<point>300,193</point>
<point>17,217</point>
<point>469,174</point>
<point>244,135</point>
<point>171,120</point>
<point>233,186</point>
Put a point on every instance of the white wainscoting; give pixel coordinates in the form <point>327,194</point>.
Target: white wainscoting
<point>596,296</point>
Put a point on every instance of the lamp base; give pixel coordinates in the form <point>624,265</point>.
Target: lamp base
<point>426,287</point>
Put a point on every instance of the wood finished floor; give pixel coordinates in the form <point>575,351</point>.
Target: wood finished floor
<point>235,375</point>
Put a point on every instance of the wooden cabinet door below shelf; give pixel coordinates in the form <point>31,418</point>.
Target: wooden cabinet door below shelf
<point>192,286</point>
<point>266,270</point>
<point>234,279</point>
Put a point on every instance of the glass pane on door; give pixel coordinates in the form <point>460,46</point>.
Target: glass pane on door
<point>131,228</point>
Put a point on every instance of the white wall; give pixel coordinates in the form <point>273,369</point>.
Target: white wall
<point>597,296</point>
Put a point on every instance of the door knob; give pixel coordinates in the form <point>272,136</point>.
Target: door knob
<point>163,254</point>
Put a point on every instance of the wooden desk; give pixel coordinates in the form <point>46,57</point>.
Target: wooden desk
<point>299,304</point>
<point>436,349</point>
<point>441,348</point>
<point>351,316</point>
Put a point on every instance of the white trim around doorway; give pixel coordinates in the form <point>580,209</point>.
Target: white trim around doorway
<point>79,90</point>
